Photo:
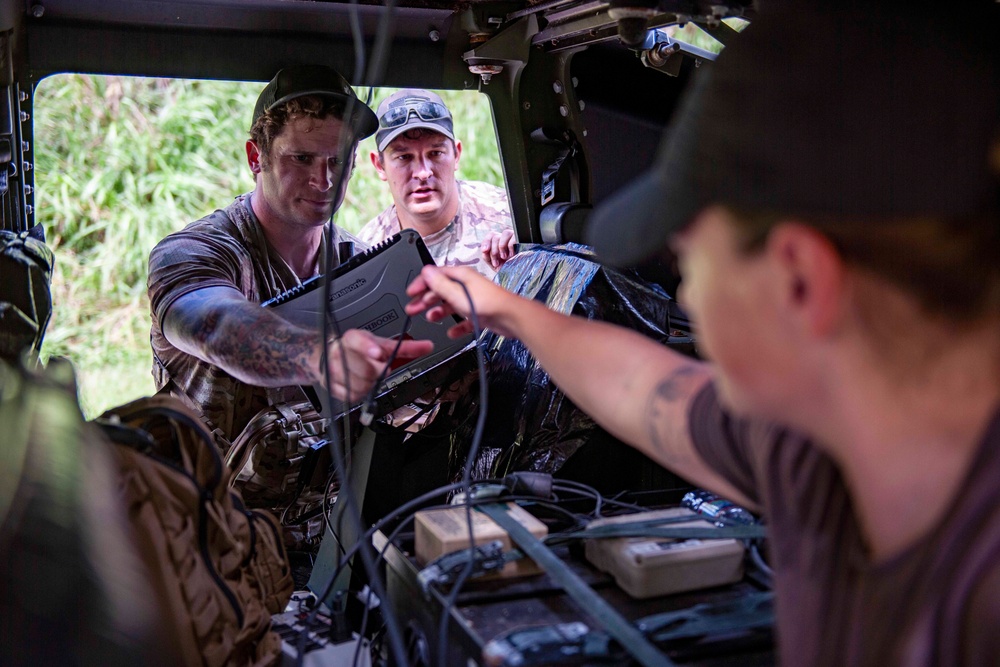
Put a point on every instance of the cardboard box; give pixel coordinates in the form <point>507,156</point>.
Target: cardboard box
<point>443,531</point>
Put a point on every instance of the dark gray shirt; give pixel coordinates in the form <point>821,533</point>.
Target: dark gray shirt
<point>937,603</point>
<point>226,248</point>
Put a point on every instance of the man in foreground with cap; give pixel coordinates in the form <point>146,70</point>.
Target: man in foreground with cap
<point>213,345</point>
<point>463,223</point>
<point>830,187</point>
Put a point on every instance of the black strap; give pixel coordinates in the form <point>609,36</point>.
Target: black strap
<point>657,529</point>
<point>753,611</point>
<point>570,151</point>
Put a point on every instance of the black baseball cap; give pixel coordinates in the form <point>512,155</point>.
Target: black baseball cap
<point>301,80</point>
<point>850,110</point>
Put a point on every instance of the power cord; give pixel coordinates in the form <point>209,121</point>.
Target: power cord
<point>467,474</point>
<point>397,647</point>
<point>366,405</point>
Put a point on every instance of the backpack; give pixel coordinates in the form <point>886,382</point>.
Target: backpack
<point>73,588</point>
<point>220,569</point>
<point>25,295</point>
<point>280,462</point>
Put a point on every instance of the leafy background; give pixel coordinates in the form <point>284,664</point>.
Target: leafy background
<point>122,162</point>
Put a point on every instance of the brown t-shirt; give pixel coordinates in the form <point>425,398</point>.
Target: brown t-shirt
<point>226,248</point>
<point>937,603</point>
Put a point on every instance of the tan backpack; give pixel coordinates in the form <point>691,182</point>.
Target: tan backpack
<point>220,569</point>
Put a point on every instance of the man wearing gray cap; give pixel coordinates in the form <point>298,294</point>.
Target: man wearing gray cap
<point>831,187</point>
<point>462,223</point>
<point>213,344</point>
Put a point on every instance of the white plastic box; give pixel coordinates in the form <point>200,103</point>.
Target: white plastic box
<point>646,567</point>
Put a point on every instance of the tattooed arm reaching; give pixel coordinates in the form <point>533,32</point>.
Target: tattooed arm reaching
<point>635,388</point>
<point>220,326</point>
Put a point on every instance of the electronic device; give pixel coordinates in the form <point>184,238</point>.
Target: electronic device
<point>649,566</point>
<point>319,648</point>
<point>368,292</point>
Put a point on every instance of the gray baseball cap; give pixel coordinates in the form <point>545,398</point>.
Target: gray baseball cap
<point>410,109</point>
<point>852,110</point>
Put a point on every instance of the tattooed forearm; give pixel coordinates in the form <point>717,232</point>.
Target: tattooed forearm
<point>248,342</point>
<point>264,354</point>
<point>667,408</point>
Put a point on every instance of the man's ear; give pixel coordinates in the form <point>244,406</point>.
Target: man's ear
<point>253,157</point>
<point>458,152</point>
<point>377,163</point>
<point>811,275</point>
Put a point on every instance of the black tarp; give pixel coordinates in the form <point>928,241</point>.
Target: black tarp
<point>531,425</point>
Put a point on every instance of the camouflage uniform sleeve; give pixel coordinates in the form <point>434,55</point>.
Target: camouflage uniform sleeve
<point>379,228</point>
<point>485,211</point>
<point>485,207</point>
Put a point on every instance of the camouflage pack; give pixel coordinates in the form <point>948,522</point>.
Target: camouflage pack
<point>280,462</point>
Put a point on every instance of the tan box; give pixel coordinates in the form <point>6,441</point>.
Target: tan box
<point>446,530</point>
<point>649,566</point>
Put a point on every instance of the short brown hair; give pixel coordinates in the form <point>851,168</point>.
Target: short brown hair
<point>949,265</point>
<point>271,123</point>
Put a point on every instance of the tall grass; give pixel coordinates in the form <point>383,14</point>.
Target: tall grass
<point>122,162</point>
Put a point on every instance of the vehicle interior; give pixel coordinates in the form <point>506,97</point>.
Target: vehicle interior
<point>580,92</point>
<point>559,75</point>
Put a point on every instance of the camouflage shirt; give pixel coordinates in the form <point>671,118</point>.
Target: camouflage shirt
<point>482,209</point>
<point>226,248</point>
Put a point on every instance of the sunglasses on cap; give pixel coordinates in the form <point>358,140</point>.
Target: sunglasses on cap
<point>424,109</point>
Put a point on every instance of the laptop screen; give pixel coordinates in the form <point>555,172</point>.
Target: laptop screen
<point>368,292</point>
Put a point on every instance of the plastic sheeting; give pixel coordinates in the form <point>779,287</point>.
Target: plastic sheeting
<point>531,425</point>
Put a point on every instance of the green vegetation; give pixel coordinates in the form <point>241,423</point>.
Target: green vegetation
<point>122,162</point>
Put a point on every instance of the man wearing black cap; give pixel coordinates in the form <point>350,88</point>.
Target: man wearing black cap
<point>213,345</point>
<point>462,223</point>
<point>830,187</point>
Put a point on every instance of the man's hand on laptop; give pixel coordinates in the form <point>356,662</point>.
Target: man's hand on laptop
<point>363,356</point>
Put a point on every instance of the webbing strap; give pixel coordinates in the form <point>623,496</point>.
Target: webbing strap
<point>753,611</point>
<point>748,532</point>
<point>627,634</point>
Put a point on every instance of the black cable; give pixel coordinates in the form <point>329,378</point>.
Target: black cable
<point>577,519</point>
<point>404,512</point>
<point>375,73</point>
<point>583,490</point>
<point>335,444</point>
<point>357,40</point>
<point>602,500</point>
<point>758,559</point>
<point>337,447</point>
<point>467,474</point>
<point>399,511</point>
<point>392,536</point>
<point>383,42</point>
<point>624,505</point>
<point>366,404</point>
